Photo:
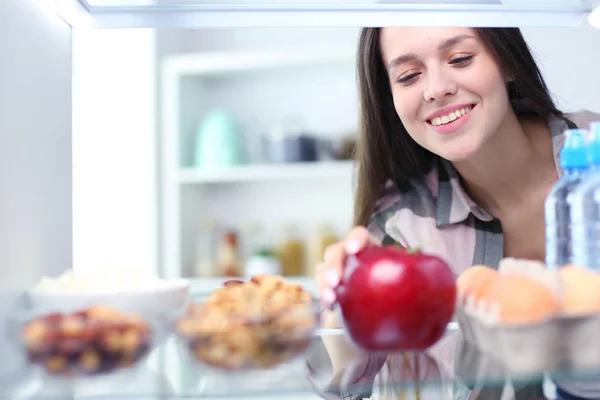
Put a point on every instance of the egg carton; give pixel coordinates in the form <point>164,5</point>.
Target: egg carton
<point>558,343</point>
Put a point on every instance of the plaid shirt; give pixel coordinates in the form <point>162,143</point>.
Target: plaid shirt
<point>436,214</point>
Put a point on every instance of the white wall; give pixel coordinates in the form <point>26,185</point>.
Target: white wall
<point>570,62</point>
<point>35,151</point>
<point>114,166</point>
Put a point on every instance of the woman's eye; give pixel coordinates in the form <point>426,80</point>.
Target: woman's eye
<point>407,78</point>
<point>461,60</point>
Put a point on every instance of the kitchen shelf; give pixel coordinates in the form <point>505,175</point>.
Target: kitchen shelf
<point>253,173</point>
<point>247,60</point>
<point>194,83</point>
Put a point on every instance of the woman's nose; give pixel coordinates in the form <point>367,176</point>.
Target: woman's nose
<point>439,85</point>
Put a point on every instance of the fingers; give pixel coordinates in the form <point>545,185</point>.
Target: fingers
<point>333,260</point>
<point>357,239</point>
<point>326,290</point>
<point>329,272</point>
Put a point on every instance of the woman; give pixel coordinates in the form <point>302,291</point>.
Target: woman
<point>458,147</point>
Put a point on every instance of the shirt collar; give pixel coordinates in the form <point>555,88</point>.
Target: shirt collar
<point>453,204</point>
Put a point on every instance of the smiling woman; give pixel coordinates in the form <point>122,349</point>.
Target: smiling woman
<point>430,73</point>
<point>457,153</point>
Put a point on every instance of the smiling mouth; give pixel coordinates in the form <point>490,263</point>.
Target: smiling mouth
<point>451,117</point>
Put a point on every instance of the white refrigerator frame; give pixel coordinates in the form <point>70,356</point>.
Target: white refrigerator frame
<point>332,13</point>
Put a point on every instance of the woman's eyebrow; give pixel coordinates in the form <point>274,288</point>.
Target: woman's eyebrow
<point>444,45</point>
<point>454,40</point>
<point>401,60</point>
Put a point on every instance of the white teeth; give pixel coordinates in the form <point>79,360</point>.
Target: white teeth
<point>450,117</point>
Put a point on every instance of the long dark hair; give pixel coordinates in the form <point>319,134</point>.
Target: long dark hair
<point>385,150</point>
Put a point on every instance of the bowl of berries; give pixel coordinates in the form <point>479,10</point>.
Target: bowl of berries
<point>85,344</point>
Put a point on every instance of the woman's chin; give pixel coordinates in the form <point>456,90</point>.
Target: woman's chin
<point>459,149</point>
<point>458,156</point>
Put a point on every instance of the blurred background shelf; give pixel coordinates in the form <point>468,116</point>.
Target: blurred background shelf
<point>249,173</point>
<point>256,146</point>
<point>252,60</point>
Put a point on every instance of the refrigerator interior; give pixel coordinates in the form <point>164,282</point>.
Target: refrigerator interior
<point>83,165</point>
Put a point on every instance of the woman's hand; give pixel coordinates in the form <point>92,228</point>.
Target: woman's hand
<point>353,369</point>
<point>330,270</point>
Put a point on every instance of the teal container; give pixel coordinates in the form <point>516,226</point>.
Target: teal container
<point>219,141</point>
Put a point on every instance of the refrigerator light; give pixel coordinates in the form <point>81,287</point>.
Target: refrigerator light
<point>594,17</point>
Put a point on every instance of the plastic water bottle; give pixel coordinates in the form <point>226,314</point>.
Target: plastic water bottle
<point>574,162</point>
<point>585,209</point>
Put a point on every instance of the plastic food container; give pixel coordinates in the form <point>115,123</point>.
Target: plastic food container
<point>91,342</point>
<point>120,289</point>
<point>559,343</point>
<point>234,330</point>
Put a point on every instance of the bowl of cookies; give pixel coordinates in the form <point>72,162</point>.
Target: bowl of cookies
<point>249,325</point>
<point>86,343</point>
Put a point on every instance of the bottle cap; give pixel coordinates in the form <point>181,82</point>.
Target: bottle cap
<point>574,154</point>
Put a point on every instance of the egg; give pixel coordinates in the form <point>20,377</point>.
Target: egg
<point>580,290</point>
<point>522,299</point>
<point>476,281</point>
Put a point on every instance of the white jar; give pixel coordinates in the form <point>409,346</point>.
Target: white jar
<point>262,264</point>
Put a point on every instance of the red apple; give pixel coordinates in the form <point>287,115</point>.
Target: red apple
<point>396,300</point>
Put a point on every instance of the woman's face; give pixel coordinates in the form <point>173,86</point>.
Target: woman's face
<point>448,90</point>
